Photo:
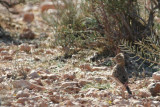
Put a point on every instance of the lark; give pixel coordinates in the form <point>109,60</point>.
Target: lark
<point>119,73</point>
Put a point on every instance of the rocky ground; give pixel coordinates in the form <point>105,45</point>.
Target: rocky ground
<point>33,73</point>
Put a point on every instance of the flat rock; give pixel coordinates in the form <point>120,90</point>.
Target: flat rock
<point>86,67</point>
<point>55,98</point>
<point>22,94</point>
<point>50,76</point>
<point>43,104</point>
<point>156,76</point>
<point>144,93</point>
<point>33,74</point>
<point>118,101</point>
<point>71,89</point>
<point>156,103</point>
<point>83,82</point>
<point>25,47</point>
<point>136,102</point>
<point>69,76</point>
<point>26,84</point>
<point>1,79</point>
<point>37,81</point>
<point>23,100</point>
<point>154,88</point>
<point>27,34</point>
<point>72,84</point>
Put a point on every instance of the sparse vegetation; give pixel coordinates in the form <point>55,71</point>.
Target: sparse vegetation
<point>100,24</point>
<point>97,86</point>
<point>147,50</point>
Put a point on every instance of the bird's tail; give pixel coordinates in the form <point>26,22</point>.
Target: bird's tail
<point>128,89</point>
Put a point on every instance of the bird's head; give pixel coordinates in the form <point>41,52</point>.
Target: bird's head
<point>119,58</point>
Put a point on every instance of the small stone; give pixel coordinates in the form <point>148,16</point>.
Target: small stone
<point>43,104</point>
<point>27,8</point>
<point>37,58</point>
<point>116,101</point>
<point>82,100</point>
<point>98,79</point>
<point>104,105</point>
<point>55,98</point>
<point>92,92</point>
<point>23,100</point>
<point>136,102</point>
<point>43,71</point>
<point>26,84</point>
<point>22,94</point>
<point>3,53</point>
<point>27,69</point>
<point>71,89</point>
<point>86,67</point>
<point>7,58</point>
<point>69,103</point>
<point>72,84</point>
<point>28,17</point>
<point>37,81</point>
<point>99,68</point>
<point>156,103</point>
<point>84,82</point>
<point>1,79</point>
<point>2,49</point>
<point>9,75</point>
<point>53,77</point>
<point>33,74</point>
<point>69,76</point>
<point>46,6</point>
<point>49,52</point>
<point>27,34</point>
<point>144,93</point>
<point>5,86</point>
<point>25,48</point>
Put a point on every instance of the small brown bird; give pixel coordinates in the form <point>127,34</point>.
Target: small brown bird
<point>119,73</point>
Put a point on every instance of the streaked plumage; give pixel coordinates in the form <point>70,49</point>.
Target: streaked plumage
<point>119,72</point>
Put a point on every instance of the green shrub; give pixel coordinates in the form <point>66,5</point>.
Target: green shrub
<point>74,25</point>
<point>99,24</point>
<point>147,50</point>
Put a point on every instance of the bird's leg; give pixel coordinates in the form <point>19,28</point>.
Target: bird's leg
<point>128,89</point>
<point>122,85</point>
<point>123,91</point>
